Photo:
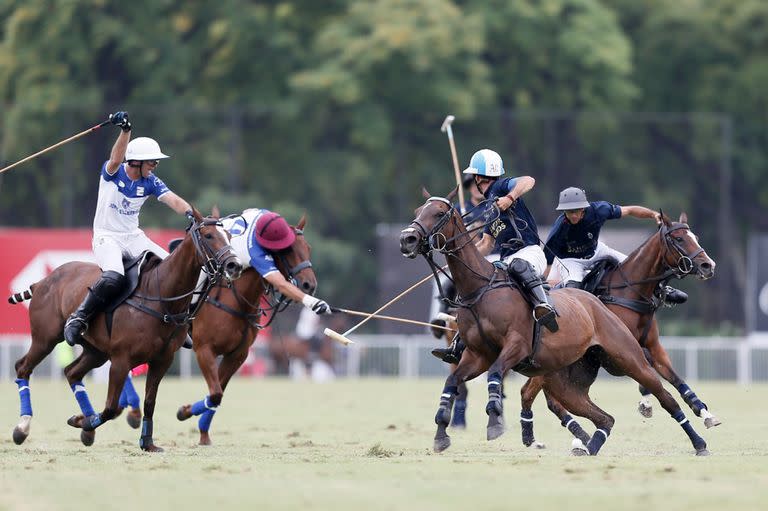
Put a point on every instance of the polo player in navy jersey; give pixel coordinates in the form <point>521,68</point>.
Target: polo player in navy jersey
<point>573,245</point>
<point>515,235</point>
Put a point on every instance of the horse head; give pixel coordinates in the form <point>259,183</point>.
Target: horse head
<point>212,248</point>
<point>432,228</point>
<point>294,262</point>
<point>681,249</point>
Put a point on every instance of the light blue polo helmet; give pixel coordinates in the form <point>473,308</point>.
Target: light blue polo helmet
<point>486,162</point>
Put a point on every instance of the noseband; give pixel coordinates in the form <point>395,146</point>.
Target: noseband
<point>684,264</point>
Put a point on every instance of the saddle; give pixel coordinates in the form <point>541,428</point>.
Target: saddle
<point>591,281</point>
<point>133,270</point>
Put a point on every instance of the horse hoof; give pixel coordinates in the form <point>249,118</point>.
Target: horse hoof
<point>134,418</point>
<point>76,421</point>
<point>87,437</point>
<point>19,436</point>
<point>495,431</point>
<point>711,422</point>
<point>184,412</point>
<point>645,410</point>
<point>442,444</point>
<point>702,452</point>
<point>578,448</point>
<point>538,445</point>
<point>205,440</point>
<point>152,448</point>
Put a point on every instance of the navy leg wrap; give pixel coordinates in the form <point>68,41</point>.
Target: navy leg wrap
<point>597,441</point>
<point>691,398</point>
<point>82,399</point>
<point>146,433</point>
<point>459,413</point>
<point>25,397</point>
<point>696,440</point>
<point>575,428</point>
<point>526,425</point>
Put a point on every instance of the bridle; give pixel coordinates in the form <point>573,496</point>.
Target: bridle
<point>212,262</point>
<point>685,262</point>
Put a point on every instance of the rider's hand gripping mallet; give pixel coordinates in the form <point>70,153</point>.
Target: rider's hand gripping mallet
<point>446,128</point>
<point>342,338</point>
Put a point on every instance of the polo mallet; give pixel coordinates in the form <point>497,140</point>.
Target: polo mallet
<point>446,128</point>
<point>342,338</point>
<point>442,315</point>
<point>58,144</point>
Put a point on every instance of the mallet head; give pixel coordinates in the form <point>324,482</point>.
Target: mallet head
<point>337,337</point>
<point>447,123</point>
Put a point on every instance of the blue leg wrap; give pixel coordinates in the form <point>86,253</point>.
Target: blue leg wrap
<point>82,398</point>
<point>597,441</point>
<point>130,394</point>
<point>24,396</point>
<point>202,406</point>
<point>526,425</point>
<point>459,413</point>
<point>204,424</point>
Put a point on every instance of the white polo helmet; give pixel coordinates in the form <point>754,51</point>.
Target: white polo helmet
<point>144,148</point>
<point>486,163</point>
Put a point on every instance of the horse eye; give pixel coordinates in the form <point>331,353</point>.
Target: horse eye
<point>678,239</point>
<point>209,236</point>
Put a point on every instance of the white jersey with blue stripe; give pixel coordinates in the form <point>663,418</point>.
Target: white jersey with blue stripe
<point>120,200</point>
<point>244,242</point>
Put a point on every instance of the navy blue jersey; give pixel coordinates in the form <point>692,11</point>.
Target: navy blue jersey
<point>505,229</point>
<point>568,241</point>
<point>478,214</point>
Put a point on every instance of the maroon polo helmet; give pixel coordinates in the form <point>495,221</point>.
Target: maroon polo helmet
<point>273,232</point>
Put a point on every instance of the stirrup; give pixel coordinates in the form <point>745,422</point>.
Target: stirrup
<point>674,296</point>
<point>548,319</point>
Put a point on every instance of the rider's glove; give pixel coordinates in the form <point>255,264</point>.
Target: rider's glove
<point>316,305</point>
<point>120,119</point>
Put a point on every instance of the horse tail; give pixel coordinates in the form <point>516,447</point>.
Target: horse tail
<point>20,297</point>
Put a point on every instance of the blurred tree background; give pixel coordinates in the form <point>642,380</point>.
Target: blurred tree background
<point>333,108</point>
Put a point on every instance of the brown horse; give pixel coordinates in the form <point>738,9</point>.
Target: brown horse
<point>147,328</point>
<point>496,324</point>
<point>629,291</point>
<point>229,321</point>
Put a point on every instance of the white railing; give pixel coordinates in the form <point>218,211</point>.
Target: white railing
<point>740,359</point>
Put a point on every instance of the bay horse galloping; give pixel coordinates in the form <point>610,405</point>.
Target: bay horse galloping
<point>629,290</point>
<point>227,324</point>
<point>147,328</point>
<point>497,326</point>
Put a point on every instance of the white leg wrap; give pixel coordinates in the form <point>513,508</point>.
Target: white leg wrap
<point>705,414</point>
<point>645,401</point>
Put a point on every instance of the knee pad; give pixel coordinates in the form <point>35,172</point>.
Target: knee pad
<point>111,282</point>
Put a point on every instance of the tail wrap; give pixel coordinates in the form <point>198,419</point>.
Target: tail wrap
<point>20,297</point>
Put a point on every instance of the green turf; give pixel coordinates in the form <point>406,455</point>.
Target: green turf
<point>366,445</point>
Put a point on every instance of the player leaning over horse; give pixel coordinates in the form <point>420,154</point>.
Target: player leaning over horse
<point>515,233</point>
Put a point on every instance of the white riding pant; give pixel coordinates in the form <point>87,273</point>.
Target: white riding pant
<point>109,249</point>
<point>534,254</point>
<point>572,269</point>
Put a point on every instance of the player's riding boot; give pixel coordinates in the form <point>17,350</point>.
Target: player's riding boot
<point>675,296</point>
<point>449,290</point>
<point>99,296</point>
<point>543,311</point>
<point>451,354</point>
<point>187,342</point>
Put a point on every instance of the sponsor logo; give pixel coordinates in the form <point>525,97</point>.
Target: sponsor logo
<point>139,191</point>
<point>121,184</point>
<point>125,203</point>
<point>496,227</point>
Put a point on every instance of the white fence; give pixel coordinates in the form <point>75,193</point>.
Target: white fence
<point>741,359</point>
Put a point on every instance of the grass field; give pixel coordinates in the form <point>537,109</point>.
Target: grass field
<point>366,444</point>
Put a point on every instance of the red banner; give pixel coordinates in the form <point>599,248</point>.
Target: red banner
<point>31,254</point>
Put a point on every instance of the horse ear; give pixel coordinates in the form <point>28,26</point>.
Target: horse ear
<point>425,193</point>
<point>215,211</point>
<point>196,214</point>
<point>683,218</point>
<point>453,194</point>
<point>302,222</point>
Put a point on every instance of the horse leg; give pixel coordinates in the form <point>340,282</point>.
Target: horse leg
<point>129,398</point>
<point>470,366</point>
<point>645,407</point>
<point>118,372</point>
<point>157,369</point>
<point>663,365</point>
<point>511,354</point>
<point>24,367</point>
<point>459,419</point>
<point>528,393</point>
<point>632,363</point>
<point>74,373</point>
<point>206,407</point>
<point>576,399</point>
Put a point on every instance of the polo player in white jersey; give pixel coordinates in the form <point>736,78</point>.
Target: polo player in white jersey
<point>126,183</point>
